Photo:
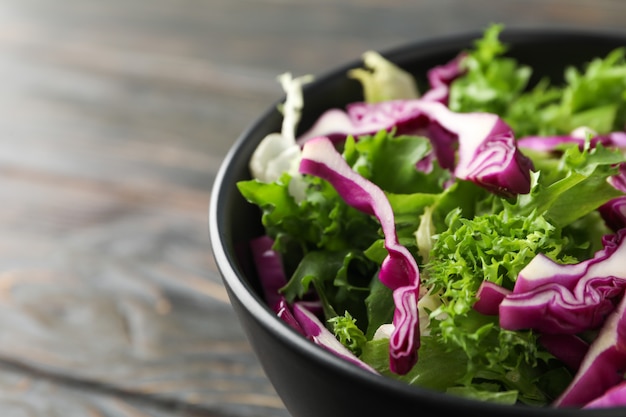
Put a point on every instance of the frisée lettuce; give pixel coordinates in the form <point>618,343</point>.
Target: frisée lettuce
<point>417,218</point>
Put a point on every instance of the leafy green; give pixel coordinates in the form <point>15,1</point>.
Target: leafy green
<point>491,80</point>
<point>382,80</point>
<point>345,329</point>
<point>438,367</point>
<point>593,96</point>
<point>321,220</point>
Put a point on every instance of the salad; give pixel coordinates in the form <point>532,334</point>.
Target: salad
<point>469,238</point>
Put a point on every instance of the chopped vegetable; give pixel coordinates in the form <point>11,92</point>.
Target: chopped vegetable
<point>278,153</point>
<point>399,270</point>
<point>487,152</point>
<point>567,299</point>
<point>315,331</point>
<point>604,364</point>
<point>614,213</point>
<point>383,81</point>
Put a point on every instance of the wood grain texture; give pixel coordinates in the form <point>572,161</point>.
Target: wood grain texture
<point>114,118</point>
<point>39,396</point>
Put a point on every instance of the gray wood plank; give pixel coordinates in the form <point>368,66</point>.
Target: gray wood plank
<point>114,117</point>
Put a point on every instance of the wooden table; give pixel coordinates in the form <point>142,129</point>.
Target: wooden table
<point>114,117</point>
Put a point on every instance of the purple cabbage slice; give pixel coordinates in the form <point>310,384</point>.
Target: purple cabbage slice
<point>567,299</point>
<point>487,150</point>
<point>555,310</point>
<point>303,318</point>
<point>613,213</point>
<point>613,397</point>
<point>619,180</point>
<point>542,270</point>
<point>569,349</point>
<point>399,270</point>
<point>315,331</point>
<point>604,365</point>
<point>269,267</point>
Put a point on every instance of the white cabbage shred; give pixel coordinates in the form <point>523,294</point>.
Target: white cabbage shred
<point>278,153</point>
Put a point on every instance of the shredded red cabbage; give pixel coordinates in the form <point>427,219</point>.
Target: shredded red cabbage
<point>613,397</point>
<point>487,151</point>
<point>567,299</point>
<point>283,311</point>
<point>552,143</point>
<point>269,267</point>
<point>613,213</point>
<point>302,316</point>
<point>604,365</point>
<point>568,348</point>
<point>489,296</point>
<point>555,309</point>
<point>440,78</point>
<point>399,270</point>
<point>315,331</point>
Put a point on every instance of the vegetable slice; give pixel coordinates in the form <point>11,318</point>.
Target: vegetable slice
<point>568,348</point>
<point>604,365</point>
<point>315,331</point>
<point>489,296</point>
<point>399,270</point>
<point>382,80</point>
<point>487,151</point>
<point>614,213</point>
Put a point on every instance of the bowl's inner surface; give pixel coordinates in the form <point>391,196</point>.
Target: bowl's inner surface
<point>234,222</point>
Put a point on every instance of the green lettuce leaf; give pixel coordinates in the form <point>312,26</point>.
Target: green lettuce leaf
<point>491,80</point>
<point>593,95</point>
<point>390,161</point>
<point>575,188</point>
<point>382,80</point>
<point>438,367</point>
<point>346,331</point>
<point>321,220</point>
<point>380,307</point>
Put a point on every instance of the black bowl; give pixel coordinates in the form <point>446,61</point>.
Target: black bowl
<point>311,381</point>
